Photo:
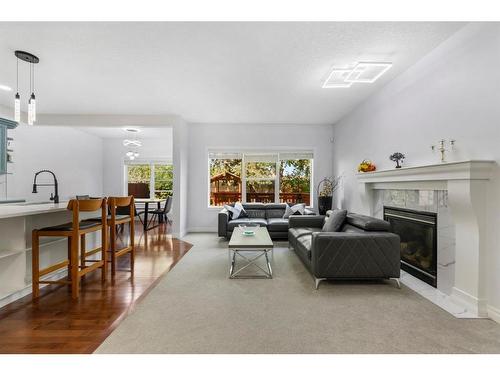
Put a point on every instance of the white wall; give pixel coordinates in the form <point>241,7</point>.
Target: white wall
<point>114,156</point>
<point>74,156</point>
<point>203,137</point>
<point>453,93</point>
<point>181,150</point>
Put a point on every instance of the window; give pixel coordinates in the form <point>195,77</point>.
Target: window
<point>139,177</point>
<point>260,173</point>
<point>295,181</point>
<point>260,177</point>
<point>164,176</point>
<point>225,178</point>
<point>150,179</point>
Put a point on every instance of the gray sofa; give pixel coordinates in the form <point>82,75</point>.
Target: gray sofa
<point>363,249</point>
<point>268,215</point>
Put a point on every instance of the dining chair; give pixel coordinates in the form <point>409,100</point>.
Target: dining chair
<point>162,212</point>
<point>125,211</point>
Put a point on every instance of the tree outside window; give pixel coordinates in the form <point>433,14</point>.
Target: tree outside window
<point>142,179</point>
<point>267,179</point>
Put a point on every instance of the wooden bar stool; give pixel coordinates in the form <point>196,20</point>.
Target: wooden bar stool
<point>75,232</point>
<point>122,211</point>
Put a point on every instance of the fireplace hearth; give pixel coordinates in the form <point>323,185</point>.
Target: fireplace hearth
<point>418,233</point>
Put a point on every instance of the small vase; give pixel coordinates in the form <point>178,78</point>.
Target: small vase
<point>324,204</point>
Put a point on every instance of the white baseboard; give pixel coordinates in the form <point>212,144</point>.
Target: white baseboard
<point>494,313</point>
<point>27,289</point>
<point>473,304</point>
<point>202,230</point>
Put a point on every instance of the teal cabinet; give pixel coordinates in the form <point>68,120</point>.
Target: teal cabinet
<point>4,126</point>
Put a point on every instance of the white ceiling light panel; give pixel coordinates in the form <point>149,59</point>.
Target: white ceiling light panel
<point>367,72</point>
<point>363,72</point>
<point>337,78</point>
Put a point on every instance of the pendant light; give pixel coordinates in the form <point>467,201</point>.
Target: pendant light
<point>31,59</point>
<point>17,98</point>
<point>30,109</point>
<point>132,144</point>
<point>32,100</point>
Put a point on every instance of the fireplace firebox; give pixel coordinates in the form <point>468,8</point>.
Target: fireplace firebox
<point>418,233</point>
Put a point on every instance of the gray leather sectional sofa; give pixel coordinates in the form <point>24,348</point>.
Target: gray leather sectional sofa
<point>266,215</point>
<point>363,249</point>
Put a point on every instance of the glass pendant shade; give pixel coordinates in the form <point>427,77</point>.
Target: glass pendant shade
<point>30,113</point>
<point>33,107</point>
<point>17,108</point>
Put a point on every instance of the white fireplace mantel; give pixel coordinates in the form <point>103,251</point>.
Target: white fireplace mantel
<point>466,183</point>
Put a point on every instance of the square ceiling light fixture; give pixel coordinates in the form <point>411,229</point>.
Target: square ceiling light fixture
<point>363,72</point>
<point>337,78</point>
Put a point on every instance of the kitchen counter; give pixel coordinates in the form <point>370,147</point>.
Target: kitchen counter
<point>8,210</point>
<point>17,221</point>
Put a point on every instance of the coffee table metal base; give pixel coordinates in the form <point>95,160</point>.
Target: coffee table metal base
<point>235,273</point>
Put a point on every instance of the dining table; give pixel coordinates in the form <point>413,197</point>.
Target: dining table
<point>146,202</point>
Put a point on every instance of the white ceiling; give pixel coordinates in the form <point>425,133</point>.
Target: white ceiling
<point>114,132</point>
<point>208,72</point>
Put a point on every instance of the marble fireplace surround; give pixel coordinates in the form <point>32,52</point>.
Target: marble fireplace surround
<point>466,184</point>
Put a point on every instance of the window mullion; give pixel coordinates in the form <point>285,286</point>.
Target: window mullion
<point>243,180</point>
<point>152,181</point>
<point>277,182</point>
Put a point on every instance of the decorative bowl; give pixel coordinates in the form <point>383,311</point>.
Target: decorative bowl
<point>248,229</point>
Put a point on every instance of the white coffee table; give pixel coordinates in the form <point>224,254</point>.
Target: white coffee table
<point>245,247</point>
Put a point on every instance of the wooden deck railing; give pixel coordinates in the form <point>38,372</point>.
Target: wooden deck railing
<point>222,198</point>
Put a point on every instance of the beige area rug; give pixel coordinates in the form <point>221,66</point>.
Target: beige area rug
<point>196,309</point>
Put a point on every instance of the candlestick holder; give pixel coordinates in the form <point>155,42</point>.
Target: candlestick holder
<point>443,149</point>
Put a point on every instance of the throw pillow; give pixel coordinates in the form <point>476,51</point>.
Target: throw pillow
<point>335,221</point>
<point>236,212</point>
<point>297,209</point>
<point>243,213</point>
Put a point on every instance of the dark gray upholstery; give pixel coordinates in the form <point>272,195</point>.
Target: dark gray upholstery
<point>277,225</point>
<point>363,249</point>
<point>306,221</point>
<point>69,226</point>
<point>268,215</point>
<point>368,223</point>
<point>234,223</point>
<point>335,221</point>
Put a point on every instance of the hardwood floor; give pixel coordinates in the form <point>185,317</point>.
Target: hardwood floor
<point>57,324</point>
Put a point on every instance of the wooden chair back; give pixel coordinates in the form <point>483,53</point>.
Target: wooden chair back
<point>87,205</point>
<point>116,202</point>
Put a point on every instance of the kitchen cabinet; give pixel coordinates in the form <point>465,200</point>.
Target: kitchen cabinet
<point>4,126</point>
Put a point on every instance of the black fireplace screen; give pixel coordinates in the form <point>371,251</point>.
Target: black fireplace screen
<point>418,233</point>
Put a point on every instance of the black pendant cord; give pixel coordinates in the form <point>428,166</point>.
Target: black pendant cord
<point>33,69</point>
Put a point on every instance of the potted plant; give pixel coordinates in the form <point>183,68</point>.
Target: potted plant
<point>398,157</point>
<point>325,190</point>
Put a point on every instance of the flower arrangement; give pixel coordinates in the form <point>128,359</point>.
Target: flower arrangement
<point>366,166</point>
<point>325,190</point>
<point>328,186</point>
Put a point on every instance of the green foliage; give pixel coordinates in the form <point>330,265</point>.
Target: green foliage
<point>139,173</point>
<point>164,177</point>
<point>260,169</point>
<point>295,175</point>
<point>218,166</point>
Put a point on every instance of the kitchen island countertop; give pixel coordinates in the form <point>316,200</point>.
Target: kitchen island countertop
<point>30,208</point>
